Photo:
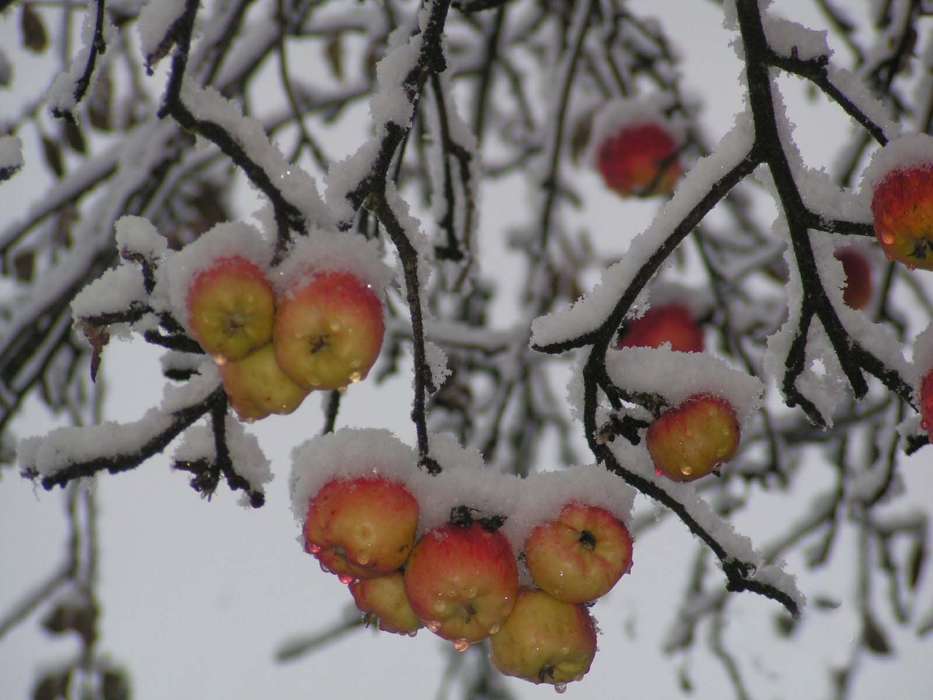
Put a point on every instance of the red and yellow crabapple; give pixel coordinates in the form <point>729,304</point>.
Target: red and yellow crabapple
<point>257,387</point>
<point>545,640</point>
<point>383,599</point>
<point>667,323</point>
<point>328,331</point>
<point>361,527</point>
<point>640,160</point>
<point>462,581</point>
<point>902,207</point>
<point>690,440</point>
<point>231,308</point>
<point>579,556</point>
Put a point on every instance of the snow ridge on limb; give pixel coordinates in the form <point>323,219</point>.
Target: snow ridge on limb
<point>237,457</point>
<point>158,21</point>
<point>296,187</point>
<point>745,568</point>
<point>70,453</point>
<point>241,139</point>
<point>676,376</point>
<point>415,54</point>
<point>70,87</point>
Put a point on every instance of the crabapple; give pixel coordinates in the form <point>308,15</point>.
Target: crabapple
<point>902,206</point>
<point>383,598</point>
<point>579,556</point>
<point>257,387</point>
<point>926,404</point>
<point>545,640</point>
<point>690,440</point>
<point>328,331</point>
<point>640,160</point>
<point>668,323</point>
<point>857,292</point>
<point>361,527</point>
<point>231,308</point>
<point>462,581</point>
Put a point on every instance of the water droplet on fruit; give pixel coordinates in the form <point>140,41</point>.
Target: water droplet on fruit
<point>412,633</point>
<point>346,579</point>
<point>363,559</point>
<point>494,629</point>
<point>355,377</point>
<point>312,548</point>
<point>434,626</point>
<point>658,472</point>
<point>560,687</point>
<point>686,470</point>
<point>887,238</point>
<point>461,645</point>
<point>220,360</point>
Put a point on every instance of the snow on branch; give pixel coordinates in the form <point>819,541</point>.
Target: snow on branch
<point>607,304</point>
<point>225,450</point>
<point>66,454</point>
<point>813,302</point>
<point>294,190</point>
<point>160,24</point>
<point>413,57</point>
<point>744,567</point>
<point>70,87</point>
<point>454,202</point>
<point>207,113</point>
<point>11,156</point>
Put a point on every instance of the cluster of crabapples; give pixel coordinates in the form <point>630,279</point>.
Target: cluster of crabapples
<point>467,553</point>
<point>472,554</point>
<point>280,332</point>
<point>635,148</point>
<point>694,437</point>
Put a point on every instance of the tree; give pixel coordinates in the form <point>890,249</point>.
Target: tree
<point>490,175</point>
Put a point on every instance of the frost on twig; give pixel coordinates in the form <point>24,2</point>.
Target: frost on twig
<point>71,87</point>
